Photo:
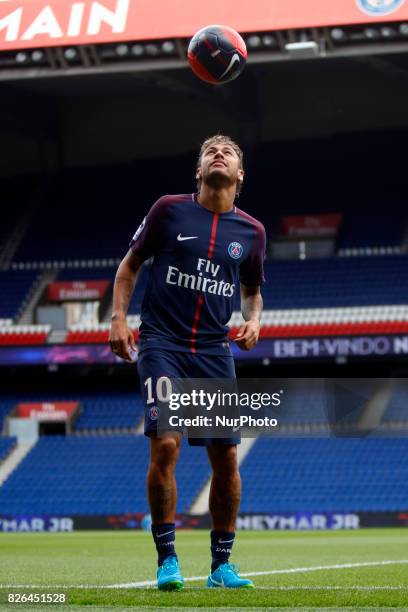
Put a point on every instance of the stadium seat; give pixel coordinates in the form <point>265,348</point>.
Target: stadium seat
<point>6,446</point>
<point>93,475</point>
<point>15,289</point>
<point>325,475</point>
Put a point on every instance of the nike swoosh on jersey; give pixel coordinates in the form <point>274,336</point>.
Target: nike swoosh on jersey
<point>234,59</point>
<point>180,238</point>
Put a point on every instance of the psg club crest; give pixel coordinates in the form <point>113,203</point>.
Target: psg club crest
<point>154,413</point>
<point>379,7</point>
<point>235,250</point>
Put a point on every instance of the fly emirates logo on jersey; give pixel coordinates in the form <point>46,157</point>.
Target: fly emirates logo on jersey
<point>199,282</point>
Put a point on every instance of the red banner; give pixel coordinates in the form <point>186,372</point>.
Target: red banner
<point>77,291</point>
<point>45,23</point>
<point>302,226</point>
<point>56,411</point>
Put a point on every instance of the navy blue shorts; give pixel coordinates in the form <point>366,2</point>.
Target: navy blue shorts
<point>154,363</point>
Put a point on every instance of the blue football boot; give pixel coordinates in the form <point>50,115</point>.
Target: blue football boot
<point>226,575</point>
<point>169,577</point>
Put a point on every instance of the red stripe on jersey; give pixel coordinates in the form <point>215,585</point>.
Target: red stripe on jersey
<point>195,324</point>
<point>213,234</point>
<point>201,295</point>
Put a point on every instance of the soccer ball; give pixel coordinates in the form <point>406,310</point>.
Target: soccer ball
<point>217,54</point>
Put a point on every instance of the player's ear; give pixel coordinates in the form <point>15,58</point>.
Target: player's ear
<point>241,174</point>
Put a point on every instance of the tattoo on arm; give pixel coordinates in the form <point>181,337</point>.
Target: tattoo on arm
<point>125,281</point>
<point>251,303</point>
<point>125,287</point>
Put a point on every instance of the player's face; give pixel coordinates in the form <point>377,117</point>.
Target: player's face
<point>220,166</point>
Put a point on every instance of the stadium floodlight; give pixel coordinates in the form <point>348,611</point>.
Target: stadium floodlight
<point>21,57</point>
<point>152,50</point>
<point>338,35</point>
<point>168,47</point>
<point>269,41</point>
<point>70,54</point>
<point>122,50</point>
<point>388,32</point>
<point>37,56</point>
<point>138,50</point>
<point>308,48</point>
<point>372,33</point>
<point>254,42</point>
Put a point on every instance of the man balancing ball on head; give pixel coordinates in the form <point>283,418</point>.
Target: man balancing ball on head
<point>204,250</point>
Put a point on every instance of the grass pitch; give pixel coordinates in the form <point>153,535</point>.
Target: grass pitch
<point>365,569</point>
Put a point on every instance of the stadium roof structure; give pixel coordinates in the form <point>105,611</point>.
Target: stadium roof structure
<point>50,37</point>
<point>141,55</point>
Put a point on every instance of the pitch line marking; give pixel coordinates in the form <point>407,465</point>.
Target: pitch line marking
<point>147,583</point>
<point>292,570</point>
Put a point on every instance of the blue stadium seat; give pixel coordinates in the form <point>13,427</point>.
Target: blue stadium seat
<point>326,475</point>
<point>15,286</point>
<point>336,282</point>
<point>6,406</point>
<point>94,476</point>
<point>6,446</point>
<point>359,230</point>
<point>98,411</point>
<point>87,232</point>
<point>397,409</point>
<point>110,412</point>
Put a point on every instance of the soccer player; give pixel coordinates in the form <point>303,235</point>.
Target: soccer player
<point>204,251</point>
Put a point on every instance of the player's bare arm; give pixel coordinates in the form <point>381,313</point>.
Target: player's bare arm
<point>251,308</point>
<point>121,337</point>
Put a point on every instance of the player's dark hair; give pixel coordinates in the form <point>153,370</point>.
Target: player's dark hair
<point>221,139</point>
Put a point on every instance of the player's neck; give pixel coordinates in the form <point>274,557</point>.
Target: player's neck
<point>217,200</point>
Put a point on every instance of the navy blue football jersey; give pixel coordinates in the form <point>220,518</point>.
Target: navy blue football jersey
<point>199,259</point>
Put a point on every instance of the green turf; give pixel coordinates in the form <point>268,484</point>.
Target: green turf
<point>67,562</point>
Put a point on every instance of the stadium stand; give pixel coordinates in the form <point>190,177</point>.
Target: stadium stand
<point>87,273</point>
<point>364,232</point>
<point>15,288</point>
<point>321,402</point>
<point>323,475</point>
<point>6,446</point>
<point>94,333</point>
<point>334,282</point>
<point>397,410</point>
<point>94,204</point>
<point>6,406</point>
<point>93,476</point>
<point>88,333</point>
<point>14,335</point>
<point>111,411</point>
<point>16,192</point>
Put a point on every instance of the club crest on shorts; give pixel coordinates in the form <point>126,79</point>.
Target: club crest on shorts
<point>154,413</point>
<point>235,250</point>
<point>379,7</point>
